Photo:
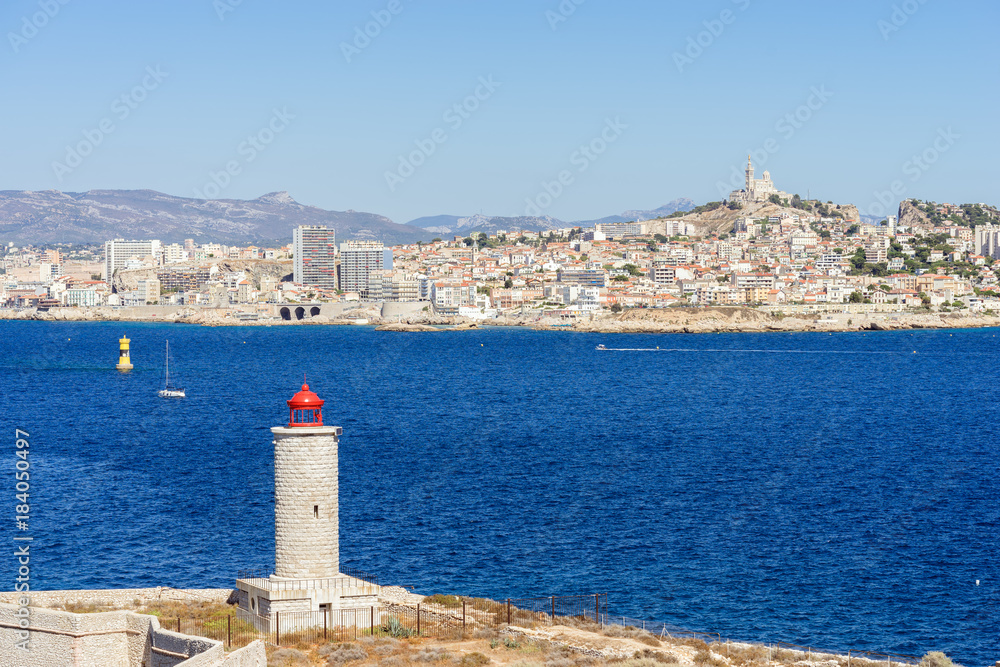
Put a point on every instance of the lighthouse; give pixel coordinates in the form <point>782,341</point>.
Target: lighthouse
<point>306,502</point>
<point>124,361</point>
<point>306,575</point>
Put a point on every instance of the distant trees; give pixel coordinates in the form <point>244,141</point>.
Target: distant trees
<point>775,199</point>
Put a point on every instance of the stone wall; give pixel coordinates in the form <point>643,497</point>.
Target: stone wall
<point>306,512</point>
<point>111,639</point>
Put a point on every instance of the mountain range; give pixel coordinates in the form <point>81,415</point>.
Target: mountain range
<point>51,216</point>
<point>454,224</point>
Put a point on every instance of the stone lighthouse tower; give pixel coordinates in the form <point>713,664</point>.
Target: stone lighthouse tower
<point>306,575</point>
<point>306,516</point>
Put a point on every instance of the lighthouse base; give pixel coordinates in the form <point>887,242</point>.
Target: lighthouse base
<point>288,605</point>
<point>124,367</point>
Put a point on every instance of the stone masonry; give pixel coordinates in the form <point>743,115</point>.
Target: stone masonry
<point>306,516</point>
<point>110,639</point>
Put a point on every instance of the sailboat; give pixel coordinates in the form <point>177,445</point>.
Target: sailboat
<point>168,391</point>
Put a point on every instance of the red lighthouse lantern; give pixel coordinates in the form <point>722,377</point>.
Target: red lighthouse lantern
<point>305,409</point>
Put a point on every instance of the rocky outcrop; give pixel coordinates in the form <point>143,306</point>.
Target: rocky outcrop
<point>910,215</point>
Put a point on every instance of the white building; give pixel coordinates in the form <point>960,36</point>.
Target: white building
<point>118,252</point>
<point>314,256</point>
<point>357,260</point>
<point>756,190</point>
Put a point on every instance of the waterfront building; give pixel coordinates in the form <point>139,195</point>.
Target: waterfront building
<point>592,277</point>
<point>148,291</point>
<point>357,260</point>
<point>617,230</point>
<point>450,296</point>
<point>186,278</point>
<point>988,241</point>
<point>662,274</point>
<point>314,256</point>
<point>82,297</point>
<point>118,252</point>
<point>394,286</point>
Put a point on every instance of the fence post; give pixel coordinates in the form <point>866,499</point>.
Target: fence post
<point>597,608</point>
<point>553,610</point>
<point>325,613</point>
<point>463,619</point>
<point>178,624</point>
<point>418,620</point>
<point>277,628</point>
<point>373,621</point>
<point>508,611</point>
<point>229,630</point>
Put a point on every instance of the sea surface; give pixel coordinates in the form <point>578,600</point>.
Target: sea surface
<point>838,491</point>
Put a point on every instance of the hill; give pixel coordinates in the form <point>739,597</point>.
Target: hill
<point>921,215</point>
<point>98,215</point>
<point>718,218</point>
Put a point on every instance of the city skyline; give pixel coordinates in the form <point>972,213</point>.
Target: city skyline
<point>612,108</point>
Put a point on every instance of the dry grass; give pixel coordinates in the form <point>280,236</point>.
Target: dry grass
<point>84,608</point>
<point>188,610</point>
<point>446,601</point>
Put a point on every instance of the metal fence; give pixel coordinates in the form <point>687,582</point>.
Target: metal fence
<point>452,617</point>
<point>451,621</point>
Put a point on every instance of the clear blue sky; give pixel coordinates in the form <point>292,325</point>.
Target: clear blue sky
<point>688,126</point>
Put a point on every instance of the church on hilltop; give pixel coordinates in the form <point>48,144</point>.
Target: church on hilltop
<point>757,191</point>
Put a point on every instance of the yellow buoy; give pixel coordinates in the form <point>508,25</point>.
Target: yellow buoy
<point>124,360</point>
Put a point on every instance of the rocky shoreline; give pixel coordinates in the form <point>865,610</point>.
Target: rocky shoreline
<point>670,321</point>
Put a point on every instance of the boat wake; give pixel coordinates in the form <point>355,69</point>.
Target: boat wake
<point>693,350</point>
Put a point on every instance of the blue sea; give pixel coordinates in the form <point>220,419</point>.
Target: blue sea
<point>839,491</point>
